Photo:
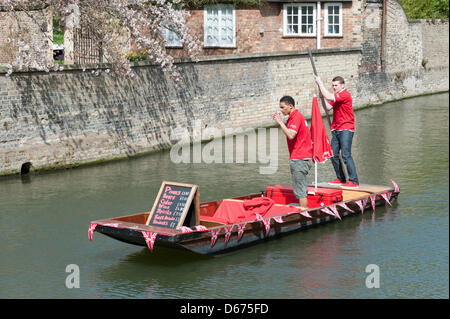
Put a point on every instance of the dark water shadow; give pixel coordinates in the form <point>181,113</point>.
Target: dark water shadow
<point>164,256</point>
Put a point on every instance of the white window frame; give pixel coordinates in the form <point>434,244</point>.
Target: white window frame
<point>175,43</point>
<point>299,6</point>
<point>219,8</point>
<point>326,33</point>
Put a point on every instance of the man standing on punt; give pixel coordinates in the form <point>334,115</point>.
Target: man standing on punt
<point>299,144</point>
<point>342,129</point>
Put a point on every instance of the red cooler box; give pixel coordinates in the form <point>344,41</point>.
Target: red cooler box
<point>284,194</point>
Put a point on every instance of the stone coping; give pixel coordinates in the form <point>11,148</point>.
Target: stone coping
<point>207,58</point>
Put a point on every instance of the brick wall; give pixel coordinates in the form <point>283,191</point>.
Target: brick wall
<point>249,23</point>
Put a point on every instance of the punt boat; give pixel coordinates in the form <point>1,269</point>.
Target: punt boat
<point>221,226</point>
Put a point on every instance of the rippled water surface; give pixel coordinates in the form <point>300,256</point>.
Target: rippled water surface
<point>44,221</point>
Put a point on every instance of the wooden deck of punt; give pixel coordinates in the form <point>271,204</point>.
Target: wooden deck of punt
<point>128,228</point>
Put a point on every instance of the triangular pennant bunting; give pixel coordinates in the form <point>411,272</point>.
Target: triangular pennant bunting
<point>362,204</point>
<point>387,198</point>
<point>396,188</point>
<point>241,228</point>
<point>372,200</point>
<point>228,231</point>
<point>149,238</point>
<point>306,214</point>
<point>201,228</point>
<point>91,230</point>
<point>389,194</point>
<point>327,211</point>
<point>185,229</point>
<point>278,219</point>
<point>335,211</point>
<point>214,235</point>
<point>344,206</point>
<point>267,224</point>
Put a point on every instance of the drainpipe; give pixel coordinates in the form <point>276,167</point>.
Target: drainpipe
<point>319,19</point>
<point>383,35</point>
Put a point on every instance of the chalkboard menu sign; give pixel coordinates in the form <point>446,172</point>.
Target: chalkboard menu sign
<point>172,205</point>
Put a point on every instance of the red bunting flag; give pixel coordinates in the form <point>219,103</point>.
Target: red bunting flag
<point>335,211</point>
<point>91,230</point>
<point>149,238</point>
<point>396,188</point>
<point>241,228</point>
<point>185,229</point>
<point>201,228</point>
<point>343,205</point>
<point>265,221</point>
<point>387,197</point>
<point>214,235</point>
<point>267,224</point>
<point>372,200</point>
<point>362,204</point>
<point>228,231</point>
<point>306,214</point>
<point>361,207</point>
<point>327,211</point>
<point>278,219</point>
<point>389,194</point>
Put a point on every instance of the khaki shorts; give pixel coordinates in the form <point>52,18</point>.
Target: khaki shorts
<point>299,170</point>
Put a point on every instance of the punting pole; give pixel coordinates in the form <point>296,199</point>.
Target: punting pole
<point>324,105</point>
<point>315,176</point>
<point>322,99</point>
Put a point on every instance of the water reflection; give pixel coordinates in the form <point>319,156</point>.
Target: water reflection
<point>44,220</point>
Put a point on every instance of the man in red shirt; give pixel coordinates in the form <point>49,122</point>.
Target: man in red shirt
<point>342,129</point>
<point>299,144</point>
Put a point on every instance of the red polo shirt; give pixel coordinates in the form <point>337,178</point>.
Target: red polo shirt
<point>300,146</point>
<point>343,118</point>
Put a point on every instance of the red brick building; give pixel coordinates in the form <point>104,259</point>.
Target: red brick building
<point>276,25</point>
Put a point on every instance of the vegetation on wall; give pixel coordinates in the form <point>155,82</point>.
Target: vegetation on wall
<point>58,30</point>
<point>426,9</point>
<point>197,4</point>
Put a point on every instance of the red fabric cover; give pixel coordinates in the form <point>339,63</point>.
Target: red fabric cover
<point>258,205</point>
<point>213,219</point>
<point>321,144</point>
<point>233,211</point>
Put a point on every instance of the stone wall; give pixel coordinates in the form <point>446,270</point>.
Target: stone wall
<point>29,25</point>
<point>71,116</point>
<point>415,55</point>
<point>435,54</point>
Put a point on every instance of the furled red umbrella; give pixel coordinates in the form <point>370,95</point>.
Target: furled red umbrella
<point>321,144</point>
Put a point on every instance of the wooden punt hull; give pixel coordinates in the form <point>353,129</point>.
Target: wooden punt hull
<point>129,229</point>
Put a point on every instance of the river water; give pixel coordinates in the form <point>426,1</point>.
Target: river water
<point>45,218</point>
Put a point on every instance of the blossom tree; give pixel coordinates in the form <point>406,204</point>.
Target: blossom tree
<point>141,23</point>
